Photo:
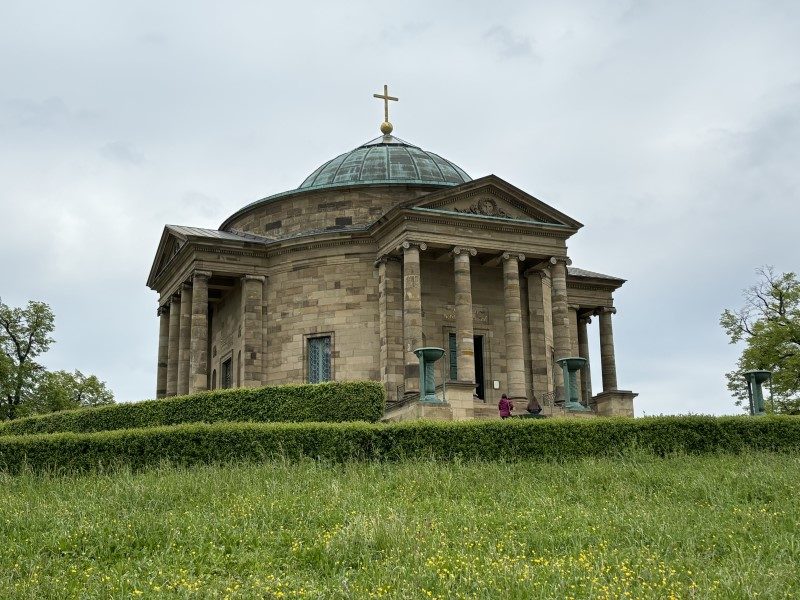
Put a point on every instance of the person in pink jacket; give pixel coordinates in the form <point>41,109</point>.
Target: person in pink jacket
<point>505,406</point>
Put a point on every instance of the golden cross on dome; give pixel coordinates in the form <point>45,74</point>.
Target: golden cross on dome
<point>386,127</point>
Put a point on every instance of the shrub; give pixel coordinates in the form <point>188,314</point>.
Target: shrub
<point>483,440</point>
<point>327,402</point>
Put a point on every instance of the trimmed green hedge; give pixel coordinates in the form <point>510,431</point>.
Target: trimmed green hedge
<point>325,402</point>
<point>482,440</point>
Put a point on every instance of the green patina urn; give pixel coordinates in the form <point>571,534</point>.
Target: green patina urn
<point>755,380</point>
<point>427,379</point>
<point>571,365</point>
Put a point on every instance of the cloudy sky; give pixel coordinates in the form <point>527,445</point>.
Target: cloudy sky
<point>670,129</point>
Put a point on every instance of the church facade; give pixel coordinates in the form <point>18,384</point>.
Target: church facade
<point>382,250</point>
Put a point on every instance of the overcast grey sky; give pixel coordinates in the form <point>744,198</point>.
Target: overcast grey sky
<point>670,129</point>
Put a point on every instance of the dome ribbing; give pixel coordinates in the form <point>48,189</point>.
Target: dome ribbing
<point>386,159</point>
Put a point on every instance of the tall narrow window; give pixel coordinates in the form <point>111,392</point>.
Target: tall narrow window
<point>319,359</point>
<point>453,357</point>
<point>227,374</point>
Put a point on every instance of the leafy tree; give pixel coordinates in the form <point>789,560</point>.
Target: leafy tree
<point>62,390</point>
<point>24,335</point>
<point>769,325</point>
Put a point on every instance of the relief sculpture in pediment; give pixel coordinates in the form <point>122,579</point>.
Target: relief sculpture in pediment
<point>485,206</point>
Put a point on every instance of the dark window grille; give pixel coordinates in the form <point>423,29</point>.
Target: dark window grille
<point>227,374</point>
<point>319,359</point>
<point>453,357</point>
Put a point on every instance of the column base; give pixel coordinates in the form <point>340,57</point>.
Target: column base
<point>615,403</point>
<point>459,397</point>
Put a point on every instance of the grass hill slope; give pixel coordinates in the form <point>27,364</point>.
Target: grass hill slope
<point>712,526</point>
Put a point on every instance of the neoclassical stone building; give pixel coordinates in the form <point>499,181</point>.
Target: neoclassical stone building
<point>383,249</point>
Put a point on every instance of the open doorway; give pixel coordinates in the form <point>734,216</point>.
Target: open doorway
<point>480,383</point>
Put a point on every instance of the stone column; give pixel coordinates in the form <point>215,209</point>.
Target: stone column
<point>252,330</point>
<point>583,352</point>
<point>390,310</point>
<point>184,343</point>
<point>561,339</point>
<point>465,343</point>
<point>574,348</point>
<point>539,314</point>
<point>412,312</point>
<point>198,354</point>
<point>163,350</point>
<point>608,364</point>
<point>172,351</point>
<point>515,358</point>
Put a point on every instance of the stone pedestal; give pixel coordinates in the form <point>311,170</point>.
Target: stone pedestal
<point>615,403</point>
<point>459,397</point>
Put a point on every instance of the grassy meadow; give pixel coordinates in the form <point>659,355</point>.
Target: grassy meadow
<point>719,526</point>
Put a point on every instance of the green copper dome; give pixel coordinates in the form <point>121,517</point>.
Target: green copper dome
<point>386,159</point>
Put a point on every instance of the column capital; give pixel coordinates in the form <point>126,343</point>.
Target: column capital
<point>186,286</point>
<point>409,243</point>
<point>575,307</point>
<point>203,274</point>
<point>385,258</point>
<point>248,277</point>
<point>554,260</point>
<point>162,310</point>
<point>604,310</point>
<point>463,249</point>
<point>585,319</point>
<point>513,256</point>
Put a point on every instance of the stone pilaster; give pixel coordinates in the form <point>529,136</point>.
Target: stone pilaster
<point>264,334</point>
<point>412,312</point>
<point>583,352</point>
<point>198,354</point>
<point>252,330</point>
<point>539,314</point>
<point>465,344</point>
<point>174,339</point>
<point>515,359</point>
<point>184,344</point>
<point>608,365</point>
<point>163,350</point>
<point>390,310</point>
<point>561,337</point>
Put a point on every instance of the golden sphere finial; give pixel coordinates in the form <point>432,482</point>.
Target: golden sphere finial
<point>386,128</point>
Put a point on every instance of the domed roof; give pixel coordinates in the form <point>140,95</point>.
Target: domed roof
<point>386,159</point>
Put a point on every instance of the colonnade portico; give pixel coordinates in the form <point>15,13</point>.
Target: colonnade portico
<point>183,351</point>
<point>412,311</point>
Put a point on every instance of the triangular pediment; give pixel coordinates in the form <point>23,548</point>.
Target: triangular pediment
<point>168,247</point>
<point>493,198</point>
